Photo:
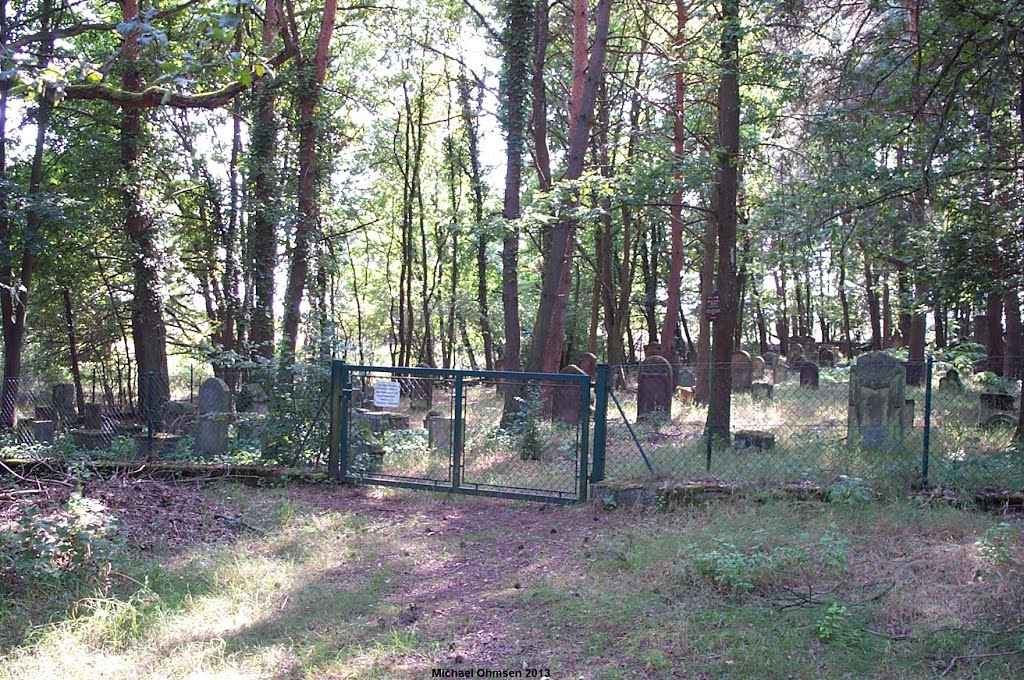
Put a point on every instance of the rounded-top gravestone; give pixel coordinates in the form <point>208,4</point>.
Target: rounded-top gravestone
<point>742,371</point>
<point>809,375</point>
<point>758,364</point>
<point>211,427</point>
<point>654,389</point>
<point>567,397</point>
<point>588,362</point>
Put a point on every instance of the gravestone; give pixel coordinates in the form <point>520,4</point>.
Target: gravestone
<point>654,389</point>
<point>686,378</point>
<point>440,432</point>
<point>951,382</point>
<point>907,415</point>
<point>211,427</point>
<point>64,403</point>
<point>421,391</point>
<point>915,371</point>
<point>252,398</point>
<point>780,373</point>
<point>897,340</point>
<point>742,371</point>
<point>796,350</point>
<point>762,391</point>
<point>588,362</point>
<point>809,343</point>
<point>93,417</point>
<point>995,401</point>
<point>43,431</point>
<point>566,398</point>
<point>770,359</point>
<point>757,364</point>
<point>810,376</point>
<point>753,439</point>
<point>877,398</point>
<point>827,358</point>
<point>652,349</point>
<point>177,415</point>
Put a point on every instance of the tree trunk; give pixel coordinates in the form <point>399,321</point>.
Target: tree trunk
<point>871,296</point>
<point>996,349</point>
<point>702,389</point>
<point>515,77</point>
<point>76,372</point>
<point>312,75</point>
<point>719,411</point>
<point>262,155</point>
<point>16,285</point>
<point>549,329</point>
<point>1014,363</point>
<point>675,267</point>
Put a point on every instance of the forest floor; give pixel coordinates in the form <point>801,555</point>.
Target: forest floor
<point>225,581</point>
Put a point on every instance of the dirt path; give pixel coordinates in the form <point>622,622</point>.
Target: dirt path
<point>472,559</point>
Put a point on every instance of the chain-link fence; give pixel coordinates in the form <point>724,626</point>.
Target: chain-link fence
<point>891,424</point>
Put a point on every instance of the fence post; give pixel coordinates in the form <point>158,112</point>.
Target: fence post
<point>926,453</point>
<point>339,422</point>
<point>600,423</point>
<point>457,418</point>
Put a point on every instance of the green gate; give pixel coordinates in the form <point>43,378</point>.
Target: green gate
<point>440,429</point>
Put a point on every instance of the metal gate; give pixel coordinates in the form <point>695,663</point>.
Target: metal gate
<point>441,430</point>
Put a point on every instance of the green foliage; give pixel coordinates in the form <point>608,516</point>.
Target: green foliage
<point>74,543</point>
<point>996,544</point>
<point>849,490</point>
<point>837,625</point>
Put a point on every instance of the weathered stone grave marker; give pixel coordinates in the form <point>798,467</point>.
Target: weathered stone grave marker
<point>742,371</point>
<point>211,427</point>
<point>877,398</point>
<point>810,376</point>
<point>654,389</point>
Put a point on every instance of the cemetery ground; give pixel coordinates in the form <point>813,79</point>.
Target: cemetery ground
<point>215,579</point>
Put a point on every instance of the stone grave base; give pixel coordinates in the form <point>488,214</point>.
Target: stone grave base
<point>753,439</point>
<point>90,440</point>
<point>163,444</point>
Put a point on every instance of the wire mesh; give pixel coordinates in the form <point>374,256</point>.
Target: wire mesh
<point>801,421</point>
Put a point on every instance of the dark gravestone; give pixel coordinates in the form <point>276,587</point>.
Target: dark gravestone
<point>177,415</point>
<point>770,359</point>
<point>809,344</point>
<point>876,402</point>
<point>762,391</point>
<point>810,376</point>
<point>915,371</point>
<point>686,378</point>
<point>827,358</point>
<point>757,364</point>
<point>93,417</point>
<point>211,427</point>
<point>252,398</point>
<point>796,351</point>
<point>996,401</point>
<point>566,401</point>
<point>742,372</point>
<point>951,382</point>
<point>43,431</point>
<point>588,362</point>
<point>64,403</point>
<point>753,439</point>
<point>652,349</point>
<point>654,389</point>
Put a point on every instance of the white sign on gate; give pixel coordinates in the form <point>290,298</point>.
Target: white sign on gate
<point>386,394</point>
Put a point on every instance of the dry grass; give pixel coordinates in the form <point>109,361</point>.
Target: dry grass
<point>391,585</point>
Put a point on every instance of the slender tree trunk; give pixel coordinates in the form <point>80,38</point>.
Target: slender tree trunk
<point>1014,337</point>
<point>16,283</point>
<point>675,267</point>
<point>719,412</point>
<point>76,371</point>
<point>262,155</point>
<point>996,349</point>
<point>871,296</point>
<point>702,389</point>
<point>516,74</point>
